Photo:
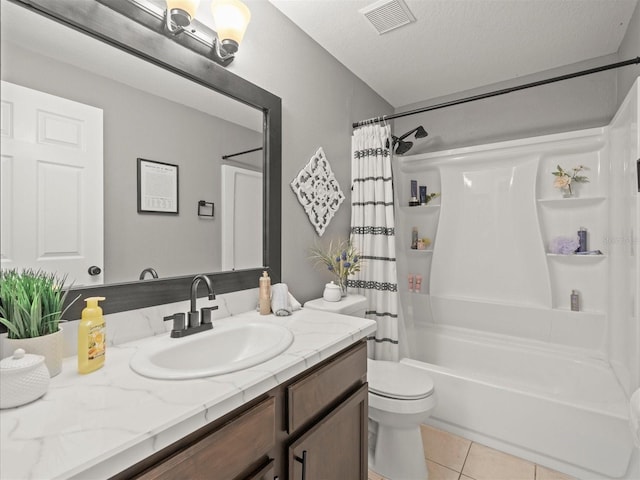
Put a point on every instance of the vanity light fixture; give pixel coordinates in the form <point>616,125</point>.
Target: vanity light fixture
<point>230,16</point>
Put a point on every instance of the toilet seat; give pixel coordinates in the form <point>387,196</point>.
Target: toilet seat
<point>398,381</point>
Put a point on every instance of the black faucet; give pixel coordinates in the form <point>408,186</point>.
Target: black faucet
<point>197,321</point>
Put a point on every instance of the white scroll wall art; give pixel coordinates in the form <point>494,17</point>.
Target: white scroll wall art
<point>318,191</point>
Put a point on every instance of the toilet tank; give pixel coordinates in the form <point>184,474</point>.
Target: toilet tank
<point>353,305</point>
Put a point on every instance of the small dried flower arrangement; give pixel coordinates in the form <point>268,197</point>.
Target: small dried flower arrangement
<point>565,178</point>
<point>341,259</point>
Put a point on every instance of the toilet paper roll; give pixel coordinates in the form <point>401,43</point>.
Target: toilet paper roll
<point>634,416</point>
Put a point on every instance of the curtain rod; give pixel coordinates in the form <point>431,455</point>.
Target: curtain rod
<point>224,157</point>
<point>497,92</point>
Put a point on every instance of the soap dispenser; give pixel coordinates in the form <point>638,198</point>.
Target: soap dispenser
<point>264,296</point>
<point>91,337</point>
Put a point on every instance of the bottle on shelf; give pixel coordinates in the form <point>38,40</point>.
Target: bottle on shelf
<point>418,283</point>
<point>582,240</point>
<point>423,194</point>
<point>575,301</point>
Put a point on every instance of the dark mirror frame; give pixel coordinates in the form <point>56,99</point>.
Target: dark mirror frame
<point>103,22</point>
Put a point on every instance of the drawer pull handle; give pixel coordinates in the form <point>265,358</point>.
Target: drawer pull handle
<point>303,461</point>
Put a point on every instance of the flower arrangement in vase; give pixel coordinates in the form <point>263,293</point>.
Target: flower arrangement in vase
<point>31,304</point>
<point>341,259</point>
<point>565,178</point>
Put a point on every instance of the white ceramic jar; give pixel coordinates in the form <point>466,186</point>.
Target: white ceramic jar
<point>23,378</point>
<point>332,292</point>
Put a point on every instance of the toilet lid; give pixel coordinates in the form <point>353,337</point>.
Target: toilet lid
<point>396,380</point>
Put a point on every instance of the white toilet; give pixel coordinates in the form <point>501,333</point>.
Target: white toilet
<point>401,397</point>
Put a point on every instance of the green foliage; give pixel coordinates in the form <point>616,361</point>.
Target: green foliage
<point>31,302</point>
<point>572,176</point>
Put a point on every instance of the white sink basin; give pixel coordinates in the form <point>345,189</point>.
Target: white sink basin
<point>225,349</point>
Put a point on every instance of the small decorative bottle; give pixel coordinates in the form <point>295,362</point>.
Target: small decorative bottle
<point>575,301</point>
<point>264,298</point>
<point>414,238</point>
<point>418,283</point>
<point>582,240</point>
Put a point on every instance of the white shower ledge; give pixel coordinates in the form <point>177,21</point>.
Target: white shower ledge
<point>96,425</point>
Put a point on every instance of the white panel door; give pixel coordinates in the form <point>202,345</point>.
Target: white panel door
<point>51,180</point>
<point>241,218</point>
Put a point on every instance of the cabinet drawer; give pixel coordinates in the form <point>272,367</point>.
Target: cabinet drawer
<point>225,453</point>
<point>318,390</point>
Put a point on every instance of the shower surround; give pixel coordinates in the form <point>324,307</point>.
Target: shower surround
<point>512,364</point>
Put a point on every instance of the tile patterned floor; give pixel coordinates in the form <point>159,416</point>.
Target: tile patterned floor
<point>450,457</point>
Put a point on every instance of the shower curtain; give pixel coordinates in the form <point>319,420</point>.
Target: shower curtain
<point>373,234</point>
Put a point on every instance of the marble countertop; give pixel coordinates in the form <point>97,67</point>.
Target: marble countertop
<point>96,425</point>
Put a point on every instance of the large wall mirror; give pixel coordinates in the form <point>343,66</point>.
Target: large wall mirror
<point>167,104</point>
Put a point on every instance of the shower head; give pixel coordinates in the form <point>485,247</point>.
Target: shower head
<point>403,146</point>
<point>421,132</point>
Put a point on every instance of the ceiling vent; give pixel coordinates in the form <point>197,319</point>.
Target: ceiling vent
<point>387,15</point>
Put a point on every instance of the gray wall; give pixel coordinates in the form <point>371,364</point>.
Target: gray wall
<point>583,102</point>
<point>629,48</point>
<point>320,100</point>
<point>578,103</point>
<point>137,124</point>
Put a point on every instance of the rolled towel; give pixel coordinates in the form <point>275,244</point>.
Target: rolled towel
<point>295,304</point>
<point>280,304</point>
<point>634,417</point>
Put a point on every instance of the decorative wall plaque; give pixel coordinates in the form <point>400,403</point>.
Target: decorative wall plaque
<point>318,191</point>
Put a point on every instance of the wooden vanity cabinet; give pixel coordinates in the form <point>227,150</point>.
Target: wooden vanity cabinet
<point>336,446</point>
<point>228,452</point>
<point>316,421</point>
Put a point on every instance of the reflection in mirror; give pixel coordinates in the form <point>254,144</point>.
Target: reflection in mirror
<point>149,113</point>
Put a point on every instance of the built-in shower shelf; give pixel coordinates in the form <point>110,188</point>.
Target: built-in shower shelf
<point>592,314</point>
<point>421,209</point>
<point>576,258</point>
<point>571,202</point>
<point>428,251</point>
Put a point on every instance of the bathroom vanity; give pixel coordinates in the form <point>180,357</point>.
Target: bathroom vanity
<point>316,422</point>
<point>305,409</point>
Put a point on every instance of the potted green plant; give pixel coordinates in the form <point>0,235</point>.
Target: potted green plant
<point>31,308</point>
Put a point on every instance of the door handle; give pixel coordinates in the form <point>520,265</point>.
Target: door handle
<point>303,461</point>
<point>94,270</point>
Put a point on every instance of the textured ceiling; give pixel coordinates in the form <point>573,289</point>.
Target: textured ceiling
<point>457,45</point>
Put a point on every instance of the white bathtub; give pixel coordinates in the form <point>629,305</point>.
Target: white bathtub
<point>560,409</point>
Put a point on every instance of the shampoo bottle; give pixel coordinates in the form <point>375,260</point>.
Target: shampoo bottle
<point>575,301</point>
<point>582,240</point>
<point>91,337</point>
<point>264,299</point>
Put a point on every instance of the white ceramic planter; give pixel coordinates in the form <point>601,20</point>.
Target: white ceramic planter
<point>51,347</point>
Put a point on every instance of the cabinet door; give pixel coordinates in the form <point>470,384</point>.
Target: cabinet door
<point>336,446</point>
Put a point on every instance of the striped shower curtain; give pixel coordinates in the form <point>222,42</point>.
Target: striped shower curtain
<point>373,234</point>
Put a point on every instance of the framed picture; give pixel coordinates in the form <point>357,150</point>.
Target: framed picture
<point>157,187</point>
